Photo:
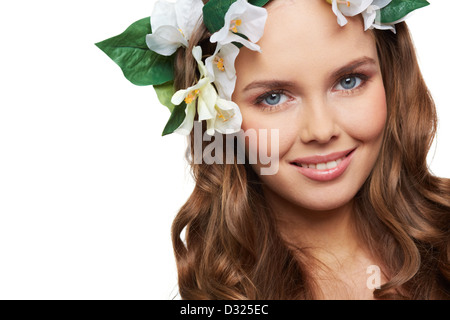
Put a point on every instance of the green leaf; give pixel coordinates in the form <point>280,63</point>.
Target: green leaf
<point>398,9</point>
<point>139,64</point>
<point>176,119</point>
<point>165,92</point>
<point>214,12</point>
<point>259,3</point>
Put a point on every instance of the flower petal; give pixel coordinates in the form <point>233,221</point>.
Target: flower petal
<point>356,7</point>
<point>165,40</point>
<point>179,96</point>
<point>231,37</point>
<point>342,21</point>
<point>163,15</point>
<point>253,22</point>
<point>234,11</point>
<point>188,122</point>
<point>206,102</point>
<point>231,126</point>
<point>210,124</point>
<point>381,3</point>
<point>369,17</point>
<point>253,19</point>
<point>224,79</point>
<point>220,35</point>
<point>225,86</point>
<point>188,14</point>
<point>384,27</point>
<point>197,54</point>
<point>223,104</point>
<point>210,65</point>
<point>229,54</point>
<point>229,117</point>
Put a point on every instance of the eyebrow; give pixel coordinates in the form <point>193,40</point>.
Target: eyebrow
<point>269,84</point>
<point>349,67</point>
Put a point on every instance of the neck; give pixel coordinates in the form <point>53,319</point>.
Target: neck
<point>330,234</point>
<point>339,258</point>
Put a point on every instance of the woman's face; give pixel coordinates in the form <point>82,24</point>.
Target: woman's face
<point>320,85</point>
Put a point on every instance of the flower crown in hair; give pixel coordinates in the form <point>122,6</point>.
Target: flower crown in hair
<point>146,51</point>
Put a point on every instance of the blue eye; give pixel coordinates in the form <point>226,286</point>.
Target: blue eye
<point>273,98</point>
<point>349,83</point>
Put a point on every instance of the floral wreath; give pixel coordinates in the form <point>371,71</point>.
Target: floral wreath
<point>146,50</point>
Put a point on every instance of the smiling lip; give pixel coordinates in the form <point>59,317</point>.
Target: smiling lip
<point>324,168</point>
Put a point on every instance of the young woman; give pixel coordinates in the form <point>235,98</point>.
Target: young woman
<point>352,200</point>
<point>335,94</point>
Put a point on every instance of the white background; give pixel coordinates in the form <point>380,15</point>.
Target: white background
<point>88,187</point>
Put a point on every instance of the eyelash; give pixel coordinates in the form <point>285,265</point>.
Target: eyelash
<point>363,77</point>
<point>259,100</point>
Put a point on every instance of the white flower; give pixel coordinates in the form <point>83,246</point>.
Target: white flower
<point>221,69</point>
<point>172,25</point>
<point>220,114</point>
<point>204,96</point>
<point>245,19</point>
<point>348,8</point>
<point>228,118</point>
<point>370,16</point>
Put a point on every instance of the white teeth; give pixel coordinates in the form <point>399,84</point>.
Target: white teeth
<point>323,166</point>
<point>331,164</point>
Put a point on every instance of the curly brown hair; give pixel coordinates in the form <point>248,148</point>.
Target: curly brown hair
<point>233,248</point>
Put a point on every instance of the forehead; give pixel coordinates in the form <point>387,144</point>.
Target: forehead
<point>304,34</point>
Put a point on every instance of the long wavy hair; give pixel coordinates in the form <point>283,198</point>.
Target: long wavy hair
<point>232,248</point>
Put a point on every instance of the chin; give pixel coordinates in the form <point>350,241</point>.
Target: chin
<point>324,205</point>
<point>323,200</point>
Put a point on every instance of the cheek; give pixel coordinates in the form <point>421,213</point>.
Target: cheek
<point>275,134</point>
<point>367,117</point>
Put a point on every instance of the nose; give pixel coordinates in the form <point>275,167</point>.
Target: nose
<point>318,122</point>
